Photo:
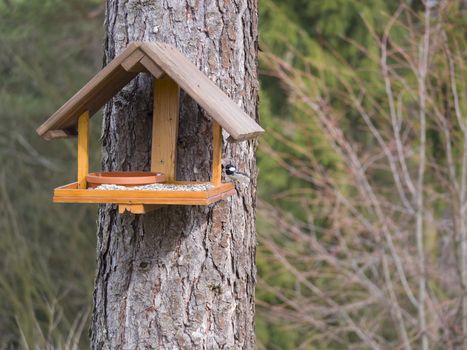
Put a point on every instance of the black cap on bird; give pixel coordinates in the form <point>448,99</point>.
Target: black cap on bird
<point>232,172</point>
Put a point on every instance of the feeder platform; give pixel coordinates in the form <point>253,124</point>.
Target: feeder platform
<point>141,201</point>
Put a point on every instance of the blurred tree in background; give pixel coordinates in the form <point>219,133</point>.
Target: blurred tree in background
<point>368,250</point>
<point>325,33</point>
<point>348,258</point>
<point>48,50</point>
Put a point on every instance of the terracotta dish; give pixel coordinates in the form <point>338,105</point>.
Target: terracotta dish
<point>124,178</point>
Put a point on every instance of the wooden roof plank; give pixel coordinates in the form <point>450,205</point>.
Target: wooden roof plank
<point>208,95</point>
<point>59,134</point>
<point>158,59</point>
<point>97,96</point>
<point>152,68</point>
<point>132,61</point>
<point>71,109</point>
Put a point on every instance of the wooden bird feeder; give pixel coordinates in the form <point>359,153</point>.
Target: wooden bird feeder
<point>171,71</point>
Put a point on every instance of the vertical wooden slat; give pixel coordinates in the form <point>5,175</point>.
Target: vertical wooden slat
<point>138,208</point>
<point>165,127</point>
<point>83,155</point>
<point>216,153</point>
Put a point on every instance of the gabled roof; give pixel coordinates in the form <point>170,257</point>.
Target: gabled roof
<point>157,59</point>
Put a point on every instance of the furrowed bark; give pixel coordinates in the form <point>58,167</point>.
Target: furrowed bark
<point>180,277</point>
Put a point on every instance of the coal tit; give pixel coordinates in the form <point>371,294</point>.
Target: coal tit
<point>232,173</point>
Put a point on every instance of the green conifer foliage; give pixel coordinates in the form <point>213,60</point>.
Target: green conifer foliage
<point>48,50</point>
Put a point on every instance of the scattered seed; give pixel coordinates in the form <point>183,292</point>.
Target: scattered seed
<point>159,187</point>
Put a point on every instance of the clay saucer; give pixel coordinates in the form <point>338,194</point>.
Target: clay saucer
<point>124,178</point>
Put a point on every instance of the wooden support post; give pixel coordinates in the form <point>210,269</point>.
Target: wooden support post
<point>83,155</point>
<point>165,127</point>
<point>137,208</point>
<point>216,153</point>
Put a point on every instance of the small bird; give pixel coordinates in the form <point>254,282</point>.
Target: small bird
<point>232,172</point>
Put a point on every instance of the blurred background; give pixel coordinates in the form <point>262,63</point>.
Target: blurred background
<point>362,223</point>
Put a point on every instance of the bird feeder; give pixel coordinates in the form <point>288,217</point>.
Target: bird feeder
<point>172,71</point>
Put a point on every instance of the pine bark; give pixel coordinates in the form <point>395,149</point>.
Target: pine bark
<point>181,277</point>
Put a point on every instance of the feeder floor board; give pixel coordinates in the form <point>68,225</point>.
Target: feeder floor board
<point>71,194</point>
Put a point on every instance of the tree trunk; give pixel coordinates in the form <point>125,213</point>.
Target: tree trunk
<point>181,277</point>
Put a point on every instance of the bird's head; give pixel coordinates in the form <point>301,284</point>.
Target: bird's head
<point>230,169</point>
